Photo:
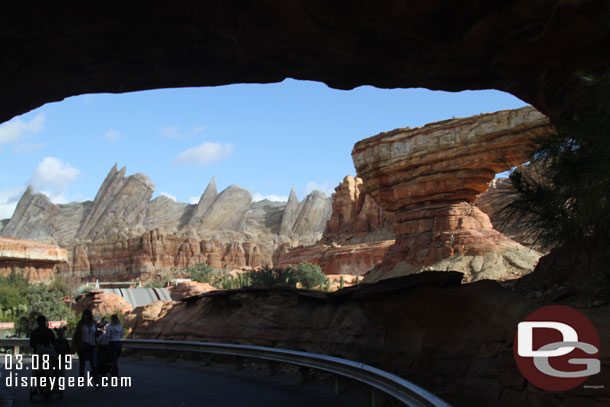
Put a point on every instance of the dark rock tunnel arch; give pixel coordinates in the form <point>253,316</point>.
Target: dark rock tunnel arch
<point>534,50</point>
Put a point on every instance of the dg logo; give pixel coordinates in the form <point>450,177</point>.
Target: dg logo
<point>557,348</point>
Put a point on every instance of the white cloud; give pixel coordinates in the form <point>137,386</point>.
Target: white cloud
<point>165,194</point>
<point>112,136</point>
<point>8,201</point>
<point>205,154</point>
<point>176,133</point>
<point>53,175</point>
<point>324,187</point>
<point>28,148</point>
<point>16,129</point>
<point>274,198</point>
<point>194,200</point>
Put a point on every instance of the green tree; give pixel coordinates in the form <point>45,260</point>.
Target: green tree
<point>563,196</point>
<point>42,300</point>
<point>13,290</point>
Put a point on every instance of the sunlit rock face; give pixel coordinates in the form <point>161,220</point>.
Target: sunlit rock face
<point>36,260</point>
<point>356,217</point>
<point>123,234</point>
<point>430,176</point>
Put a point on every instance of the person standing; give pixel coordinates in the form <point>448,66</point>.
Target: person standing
<point>42,338</point>
<point>114,331</point>
<point>83,343</point>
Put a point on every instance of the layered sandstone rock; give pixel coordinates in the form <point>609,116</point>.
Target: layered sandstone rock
<point>185,289</point>
<point>356,217</point>
<point>36,260</point>
<point>353,259</point>
<point>430,176</point>
<point>356,237</point>
<point>123,234</point>
<point>101,303</point>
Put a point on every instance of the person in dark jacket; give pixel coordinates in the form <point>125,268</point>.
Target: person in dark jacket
<point>42,338</point>
<point>84,344</point>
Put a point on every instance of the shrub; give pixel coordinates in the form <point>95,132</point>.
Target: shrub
<point>268,277</point>
<point>310,275</point>
<point>202,273</point>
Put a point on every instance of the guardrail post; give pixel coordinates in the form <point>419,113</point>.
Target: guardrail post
<point>15,350</point>
<point>378,399</point>
<point>272,368</point>
<point>304,372</point>
<point>239,362</point>
<point>340,384</point>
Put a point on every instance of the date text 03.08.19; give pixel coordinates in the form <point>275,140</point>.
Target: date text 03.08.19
<point>39,362</point>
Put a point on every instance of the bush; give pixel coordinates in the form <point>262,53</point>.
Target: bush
<point>268,278</point>
<point>202,273</point>
<point>307,274</point>
<point>310,275</point>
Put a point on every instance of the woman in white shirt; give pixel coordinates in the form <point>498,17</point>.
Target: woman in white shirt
<point>114,332</point>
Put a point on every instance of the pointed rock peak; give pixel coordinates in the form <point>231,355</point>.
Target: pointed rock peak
<point>29,191</point>
<point>293,196</point>
<point>211,186</point>
<point>123,170</point>
<point>115,168</point>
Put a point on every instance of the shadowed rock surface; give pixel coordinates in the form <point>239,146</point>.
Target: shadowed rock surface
<point>453,339</point>
<point>534,50</point>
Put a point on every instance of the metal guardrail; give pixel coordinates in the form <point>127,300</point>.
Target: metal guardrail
<point>388,383</point>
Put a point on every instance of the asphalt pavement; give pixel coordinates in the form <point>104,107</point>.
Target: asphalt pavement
<point>157,382</point>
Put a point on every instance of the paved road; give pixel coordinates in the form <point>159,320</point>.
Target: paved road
<point>160,383</point>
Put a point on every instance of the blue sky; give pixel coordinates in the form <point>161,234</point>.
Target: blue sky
<point>266,138</point>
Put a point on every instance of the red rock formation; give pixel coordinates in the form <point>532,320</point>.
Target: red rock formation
<point>353,259</point>
<point>156,251</point>
<point>101,303</point>
<point>37,260</point>
<point>356,217</point>
<point>430,176</point>
<point>454,340</point>
<point>185,289</point>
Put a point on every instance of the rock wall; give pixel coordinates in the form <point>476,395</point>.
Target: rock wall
<point>455,340</point>
<point>356,217</point>
<point>430,176</point>
<point>38,261</point>
<point>124,234</point>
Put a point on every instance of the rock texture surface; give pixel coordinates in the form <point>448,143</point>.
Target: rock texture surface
<point>535,50</point>
<point>356,217</point>
<point>453,339</point>
<point>353,259</point>
<point>186,289</point>
<point>101,303</point>
<point>123,234</point>
<point>37,260</point>
<point>430,176</point>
